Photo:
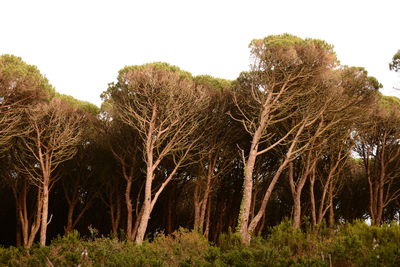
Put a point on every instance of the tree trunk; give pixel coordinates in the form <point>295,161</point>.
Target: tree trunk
<point>70,223</point>
<point>244,214</point>
<point>36,223</point>
<point>289,154</point>
<point>247,193</point>
<point>136,226</point>
<point>27,229</point>
<point>296,211</point>
<point>331,211</point>
<point>18,240</point>
<point>196,204</point>
<point>207,228</point>
<point>146,206</point>
<point>129,209</point>
<point>204,202</point>
<point>322,206</point>
<point>170,210</point>
<point>45,210</point>
<point>115,212</point>
<point>312,199</point>
<point>261,212</point>
<point>380,204</point>
<point>296,194</point>
<point>261,226</point>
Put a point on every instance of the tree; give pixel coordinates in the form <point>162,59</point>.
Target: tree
<point>351,97</point>
<point>285,72</point>
<point>217,145</point>
<point>395,64</point>
<point>125,146</point>
<point>80,182</point>
<point>20,85</point>
<point>54,131</point>
<point>378,146</point>
<point>164,105</point>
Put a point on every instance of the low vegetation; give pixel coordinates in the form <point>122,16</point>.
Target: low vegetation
<point>355,244</point>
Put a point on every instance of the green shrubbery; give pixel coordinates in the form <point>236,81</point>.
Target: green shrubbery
<point>354,244</point>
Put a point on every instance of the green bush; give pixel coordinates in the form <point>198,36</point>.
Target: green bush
<point>354,244</point>
<point>182,248</point>
<point>359,244</point>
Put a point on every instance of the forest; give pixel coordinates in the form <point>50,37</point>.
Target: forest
<point>298,140</point>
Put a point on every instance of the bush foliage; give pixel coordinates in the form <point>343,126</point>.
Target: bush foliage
<point>354,244</point>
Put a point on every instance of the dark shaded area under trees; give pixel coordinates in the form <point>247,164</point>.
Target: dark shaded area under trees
<point>297,136</point>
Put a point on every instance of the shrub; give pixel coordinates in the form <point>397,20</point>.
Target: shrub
<point>354,244</point>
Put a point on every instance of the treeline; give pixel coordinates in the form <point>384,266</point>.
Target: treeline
<point>297,136</point>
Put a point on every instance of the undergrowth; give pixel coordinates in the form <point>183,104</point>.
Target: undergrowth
<point>355,244</point>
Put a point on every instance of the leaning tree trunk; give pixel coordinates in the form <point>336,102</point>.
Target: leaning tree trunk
<point>144,219</point>
<point>244,216</point>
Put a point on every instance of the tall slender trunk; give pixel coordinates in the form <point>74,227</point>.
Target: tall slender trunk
<point>115,212</point>
<point>136,226</point>
<point>244,215</point>
<point>221,212</point>
<point>367,165</point>
<point>380,204</point>
<point>129,208</point>
<point>247,193</point>
<point>331,210</point>
<point>296,194</point>
<point>207,227</point>
<point>146,206</point>
<point>260,226</point>
<point>18,237</point>
<point>196,204</point>
<point>45,210</point>
<point>312,199</point>
<point>204,202</point>
<point>323,207</point>
<point>296,198</point>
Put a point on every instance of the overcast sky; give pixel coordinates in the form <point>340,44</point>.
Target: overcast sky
<point>80,45</point>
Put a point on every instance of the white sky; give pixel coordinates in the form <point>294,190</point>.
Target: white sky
<point>80,45</point>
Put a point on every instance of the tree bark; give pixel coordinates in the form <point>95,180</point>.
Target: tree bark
<point>45,211</point>
<point>146,207</point>
<point>70,224</point>
<point>115,212</point>
<point>331,210</point>
<point>129,209</point>
<point>312,199</point>
<point>196,204</point>
<point>244,215</point>
<point>36,223</point>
